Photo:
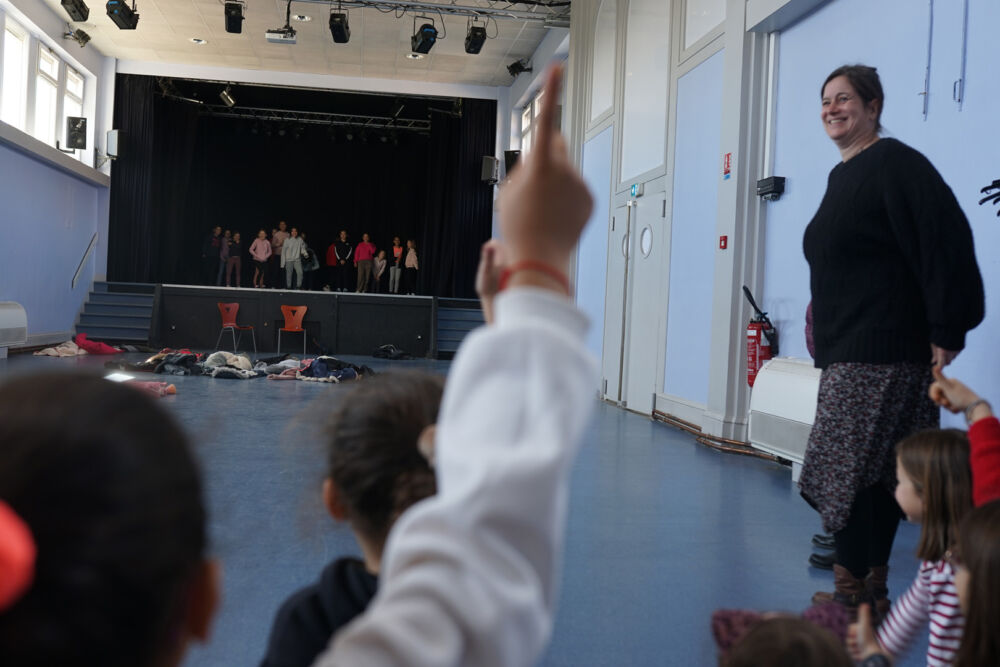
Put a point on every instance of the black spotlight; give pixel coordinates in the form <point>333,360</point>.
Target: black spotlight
<point>235,14</point>
<point>475,39</point>
<point>424,38</point>
<point>77,9</point>
<point>123,16</point>
<point>78,36</point>
<point>339,28</point>
<point>517,67</point>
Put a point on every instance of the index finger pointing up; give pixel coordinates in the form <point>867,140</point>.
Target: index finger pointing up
<point>546,119</point>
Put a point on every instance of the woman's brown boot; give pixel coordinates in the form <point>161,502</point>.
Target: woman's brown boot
<point>848,590</point>
<point>876,584</point>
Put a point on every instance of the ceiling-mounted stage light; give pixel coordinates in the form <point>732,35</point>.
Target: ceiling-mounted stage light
<point>227,97</point>
<point>518,66</point>
<point>79,36</point>
<point>77,10</point>
<point>475,38</point>
<point>339,28</point>
<point>235,11</point>
<point>123,16</point>
<point>424,37</point>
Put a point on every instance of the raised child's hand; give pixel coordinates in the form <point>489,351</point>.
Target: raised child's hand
<point>861,640</point>
<point>491,264</point>
<point>950,393</point>
<point>545,204</point>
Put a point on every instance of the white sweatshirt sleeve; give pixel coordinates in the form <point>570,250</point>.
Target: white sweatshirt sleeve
<point>469,576</point>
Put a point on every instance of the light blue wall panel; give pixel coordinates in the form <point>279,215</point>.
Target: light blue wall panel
<point>692,243</point>
<point>962,144</point>
<point>592,256</point>
<point>47,220</point>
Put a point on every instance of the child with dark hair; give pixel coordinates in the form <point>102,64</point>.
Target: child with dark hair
<point>102,528</point>
<point>375,471</point>
<point>787,641</point>
<point>935,488</point>
<point>977,561</point>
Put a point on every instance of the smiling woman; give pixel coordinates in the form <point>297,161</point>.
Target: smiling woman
<point>895,286</point>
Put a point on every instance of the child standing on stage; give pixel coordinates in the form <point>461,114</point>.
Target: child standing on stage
<point>260,250</point>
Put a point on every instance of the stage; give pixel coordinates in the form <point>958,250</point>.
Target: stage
<point>335,322</point>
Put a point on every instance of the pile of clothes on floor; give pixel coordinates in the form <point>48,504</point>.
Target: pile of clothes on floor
<point>80,346</point>
<point>239,367</point>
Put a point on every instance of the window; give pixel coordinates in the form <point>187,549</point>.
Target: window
<point>528,118</point>
<point>14,85</point>
<point>72,102</point>
<point>46,96</point>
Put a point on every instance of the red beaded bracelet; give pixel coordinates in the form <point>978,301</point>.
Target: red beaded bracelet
<point>531,265</point>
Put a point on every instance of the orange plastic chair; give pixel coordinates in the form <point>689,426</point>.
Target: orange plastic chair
<point>293,324</point>
<point>228,312</point>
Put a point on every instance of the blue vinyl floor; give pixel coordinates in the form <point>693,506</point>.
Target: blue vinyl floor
<point>661,531</point>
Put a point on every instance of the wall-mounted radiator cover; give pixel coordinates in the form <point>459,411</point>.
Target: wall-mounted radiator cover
<point>13,324</point>
<point>783,407</point>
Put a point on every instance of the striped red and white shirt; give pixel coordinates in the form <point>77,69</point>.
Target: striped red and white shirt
<point>931,601</point>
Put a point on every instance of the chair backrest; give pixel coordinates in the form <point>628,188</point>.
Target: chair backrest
<point>293,317</point>
<point>228,312</point>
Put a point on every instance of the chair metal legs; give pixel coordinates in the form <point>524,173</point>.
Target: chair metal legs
<point>232,331</point>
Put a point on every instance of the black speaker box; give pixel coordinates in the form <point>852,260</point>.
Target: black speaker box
<point>76,132</point>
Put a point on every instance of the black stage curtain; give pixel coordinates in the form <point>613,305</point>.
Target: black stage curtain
<point>149,182</point>
<point>462,208</point>
<point>181,174</point>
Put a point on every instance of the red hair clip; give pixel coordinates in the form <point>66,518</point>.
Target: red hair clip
<point>17,556</point>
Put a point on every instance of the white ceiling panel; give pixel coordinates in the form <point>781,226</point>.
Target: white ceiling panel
<point>379,41</point>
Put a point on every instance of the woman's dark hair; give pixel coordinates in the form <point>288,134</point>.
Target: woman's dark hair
<point>866,84</point>
<point>788,641</point>
<point>373,457</point>
<point>937,462</point>
<point>979,549</point>
<point>107,485</point>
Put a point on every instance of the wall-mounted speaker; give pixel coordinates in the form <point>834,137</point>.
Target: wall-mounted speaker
<point>76,132</point>
<point>510,158</point>
<point>490,167</point>
<point>112,145</point>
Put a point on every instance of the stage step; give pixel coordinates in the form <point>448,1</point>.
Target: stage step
<point>118,312</point>
<point>453,324</point>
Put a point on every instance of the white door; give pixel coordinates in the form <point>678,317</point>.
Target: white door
<point>645,301</point>
<point>614,304</point>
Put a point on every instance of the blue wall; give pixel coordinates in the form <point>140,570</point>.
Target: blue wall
<point>692,230</point>
<point>592,255</point>
<point>892,36</point>
<point>48,218</point>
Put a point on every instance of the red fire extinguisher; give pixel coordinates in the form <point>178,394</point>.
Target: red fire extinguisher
<point>762,339</point>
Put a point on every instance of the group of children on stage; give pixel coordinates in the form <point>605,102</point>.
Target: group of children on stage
<point>457,497</point>
<point>285,260</point>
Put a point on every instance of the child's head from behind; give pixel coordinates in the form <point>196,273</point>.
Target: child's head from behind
<point>935,486</point>
<point>787,641</point>
<point>977,580</point>
<point>375,470</point>
<point>106,484</point>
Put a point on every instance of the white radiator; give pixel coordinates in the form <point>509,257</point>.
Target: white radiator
<point>783,407</point>
<point>13,324</point>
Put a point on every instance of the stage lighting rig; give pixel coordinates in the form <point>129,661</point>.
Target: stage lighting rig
<point>77,10</point>
<point>123,16</point>
<point>284,34</point>
<point>235,11</point>
<point>79,36</point>
<point>518,66</point>
<point>227,97</point>
<point>340,30</point>
<point>475,38</point>
<point>423,38</point>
